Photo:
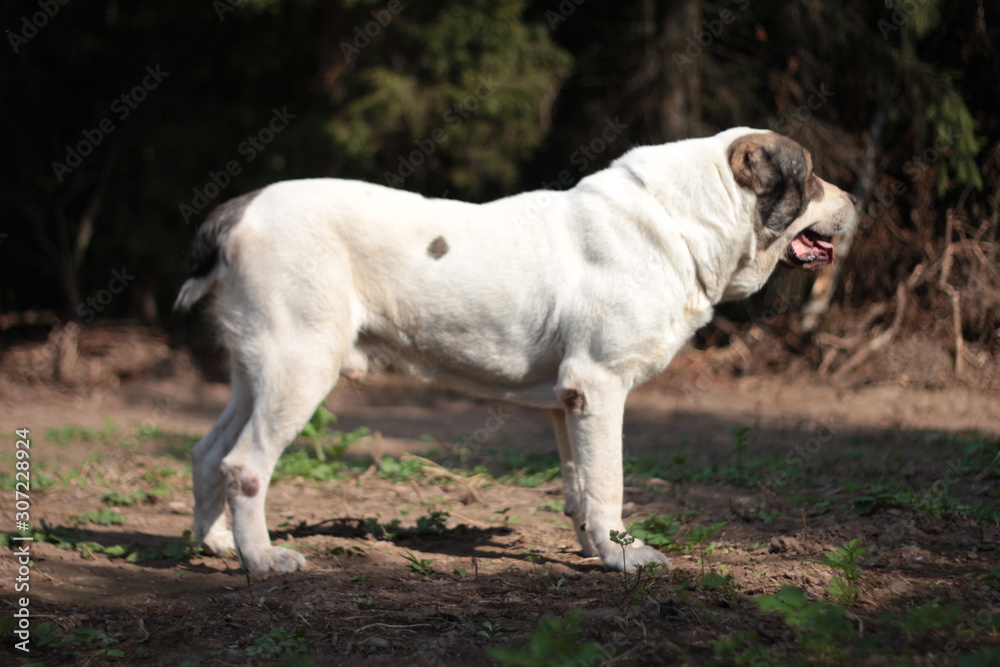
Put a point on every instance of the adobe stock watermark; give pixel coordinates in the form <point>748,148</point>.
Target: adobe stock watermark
<point>248,149</point>
<point>467,445</point>
<point>363,35</point>
<point>453,118</point>
<point>800,115</point>
<point>581,158</point>
<point>122,107</point>
<point>30,25</point>
<point>885,198</point>
<point>91,306</point>
<point>902,12</point>
<point>565,9</point>
<point>696,44</point>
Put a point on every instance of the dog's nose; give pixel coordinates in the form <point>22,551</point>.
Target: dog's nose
<point>854,200</point>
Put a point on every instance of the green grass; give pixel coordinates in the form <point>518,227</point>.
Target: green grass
<point>556,641</point>
<point>71,539</point>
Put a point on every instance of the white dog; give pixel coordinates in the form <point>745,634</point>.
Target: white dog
<point>561,300</point>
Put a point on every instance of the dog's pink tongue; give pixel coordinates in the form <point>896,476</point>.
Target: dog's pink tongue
<point>808,249</point>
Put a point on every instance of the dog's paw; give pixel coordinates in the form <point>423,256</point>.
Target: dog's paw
<point>274,559</point>
<point>635,555</point>
<point>219,543</point>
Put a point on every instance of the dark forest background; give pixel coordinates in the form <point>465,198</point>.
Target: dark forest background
<point>123,123</point>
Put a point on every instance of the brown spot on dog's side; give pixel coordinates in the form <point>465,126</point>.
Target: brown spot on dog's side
<point>573,400</point>
<point>779,171</point>
<point>249,486</point>
<point>438,248</point>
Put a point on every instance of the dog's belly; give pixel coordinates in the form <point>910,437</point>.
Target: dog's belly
<point>473,361</point>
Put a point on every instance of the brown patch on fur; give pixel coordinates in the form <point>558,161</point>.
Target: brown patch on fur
<point>438,248</point>
<point>238,482</point>
<point>573,400</point>
<point>249,486</point>
<point>778,170</point>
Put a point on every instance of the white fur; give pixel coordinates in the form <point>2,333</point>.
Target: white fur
<point>540,298</point>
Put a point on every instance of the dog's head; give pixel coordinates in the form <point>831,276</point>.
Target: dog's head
<point>797,212</point>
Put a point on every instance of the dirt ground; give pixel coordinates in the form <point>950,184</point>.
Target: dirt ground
<point>817,470</point>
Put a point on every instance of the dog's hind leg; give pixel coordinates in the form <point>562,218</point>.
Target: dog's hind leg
<point>209,485</point>
<point>289,382</point>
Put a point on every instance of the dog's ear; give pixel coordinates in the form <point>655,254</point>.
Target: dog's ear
<point>754,167</point>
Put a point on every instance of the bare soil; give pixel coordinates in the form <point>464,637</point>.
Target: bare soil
<point>504,559</point>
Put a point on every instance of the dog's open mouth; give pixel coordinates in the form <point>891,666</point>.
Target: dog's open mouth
<point>808,249</point>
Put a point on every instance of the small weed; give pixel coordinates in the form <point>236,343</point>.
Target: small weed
<point>397,470</point>
<point>89,638</point>
<point>103,517</point>
<point>632,578</point>
<point>933,617</point>
<point>555,642</point>
<point>127,499</point>
<point>847,560</point>
<point>490,631</point>
<point>552,505</point>
<point>504,516</point>
<point>67,538</point>
<point>657,530</point>
<point>278,642</point>
<point>698,542</point>
<point>382,531</point>
<point>431,524</point>
<point>818,625</point>
<point>434,523</point>
<point>420,566</point>
<point>529,470</point>
<point>738,471</point>
<point>39,480</point>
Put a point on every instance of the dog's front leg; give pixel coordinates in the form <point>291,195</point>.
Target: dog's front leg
<point>247,470</point>
<point>571,482</point>
<point>594,401</point>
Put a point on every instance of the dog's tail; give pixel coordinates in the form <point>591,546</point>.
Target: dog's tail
<point>206,256</point>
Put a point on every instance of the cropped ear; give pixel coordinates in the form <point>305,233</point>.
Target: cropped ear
<point>753,167</point>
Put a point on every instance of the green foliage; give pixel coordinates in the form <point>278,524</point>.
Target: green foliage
<point>320,459</point>
<point>481,78</point>
<point>491,631</point>
<point>431,524</point>
<point>400,470</point>
<point>698,542</point>
<point>552,505</point>
<point>70,540</point>
<point>103,517</point>
<point>525,469</point>
<point>556,643</point>
<point>420,566</point>
<point>277,643</point>
<point>632,576</point>
<point>125,499</point>
<point>39,479</point>
<point>938,501</point>
<point>818,626</point>
<point>932,617</point>
<point>847,560</point>
<point>658,530</point>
